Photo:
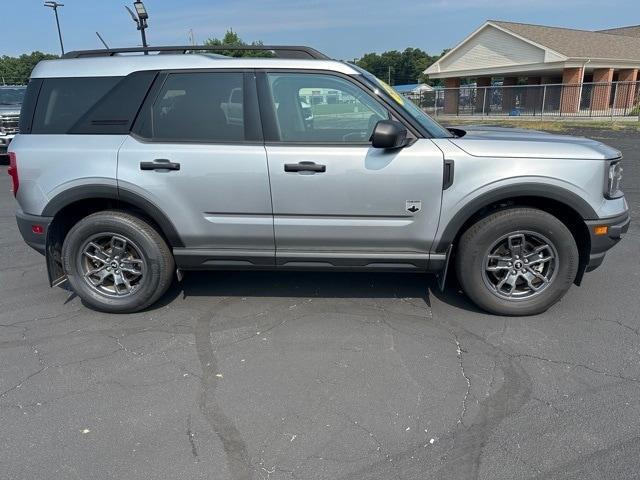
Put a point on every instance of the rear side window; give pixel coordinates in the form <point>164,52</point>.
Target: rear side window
<point>199,107</point>
<point>64,101</point>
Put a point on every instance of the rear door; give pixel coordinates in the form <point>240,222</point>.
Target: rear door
<point>197,154</point>
<point>336,200</point>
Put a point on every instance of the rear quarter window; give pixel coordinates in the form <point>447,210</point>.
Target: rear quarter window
<point>64,101</point>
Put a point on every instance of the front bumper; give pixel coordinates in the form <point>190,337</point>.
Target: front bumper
<point>26,222</point>
<point>600,244</point>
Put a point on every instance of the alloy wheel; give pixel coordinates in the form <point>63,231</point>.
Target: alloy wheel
<point>520,265</point>
<point>112,265</point>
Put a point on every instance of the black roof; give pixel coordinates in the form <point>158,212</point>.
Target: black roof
<point>279,51</point>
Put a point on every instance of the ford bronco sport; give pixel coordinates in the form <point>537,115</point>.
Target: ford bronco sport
<point>130,167</point>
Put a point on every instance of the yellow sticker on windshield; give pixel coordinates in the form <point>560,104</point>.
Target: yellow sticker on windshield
<point>391,92</point>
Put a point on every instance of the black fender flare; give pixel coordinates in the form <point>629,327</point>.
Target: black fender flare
<point>543,191</point>
<point>112,192</point>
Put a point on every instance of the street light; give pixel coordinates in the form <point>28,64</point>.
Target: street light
<point>140,17</point>
<point>54,6</point>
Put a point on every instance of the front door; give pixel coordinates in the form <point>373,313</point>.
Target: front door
<point>337,201</point>
<point>198,156</point>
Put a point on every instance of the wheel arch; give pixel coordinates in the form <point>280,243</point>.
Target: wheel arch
<point>68,207</point>
<point>561,203</point>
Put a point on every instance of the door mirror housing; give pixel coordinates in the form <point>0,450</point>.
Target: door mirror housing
<point>389,134</point>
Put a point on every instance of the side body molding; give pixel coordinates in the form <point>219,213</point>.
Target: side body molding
<point>108,192</point>
<point>532,190</point>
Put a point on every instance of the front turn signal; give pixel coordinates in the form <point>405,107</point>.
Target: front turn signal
<point>601,230</point>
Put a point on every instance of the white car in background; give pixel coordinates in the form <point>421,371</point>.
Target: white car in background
<point>10,103</point>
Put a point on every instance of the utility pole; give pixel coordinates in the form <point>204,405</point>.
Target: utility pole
<point>54,6</point>
<point>140,17</point>
<point>389,76</point>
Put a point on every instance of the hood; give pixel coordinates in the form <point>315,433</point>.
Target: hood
<point>9,109</point>
<point>481,141</point>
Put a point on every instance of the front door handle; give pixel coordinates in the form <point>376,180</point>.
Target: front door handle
<point>159,164</point>
<point>304,167</point>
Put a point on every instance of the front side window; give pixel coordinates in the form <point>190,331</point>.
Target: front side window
<point>203,107</point>
<point>322,108</point>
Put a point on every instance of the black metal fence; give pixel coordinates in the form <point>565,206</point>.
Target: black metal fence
<point>617,99</point>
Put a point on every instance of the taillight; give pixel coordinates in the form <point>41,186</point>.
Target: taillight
<point>13,172</point>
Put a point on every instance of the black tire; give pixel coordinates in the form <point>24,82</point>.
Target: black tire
<point>156,261</point>
<point>477,243</point>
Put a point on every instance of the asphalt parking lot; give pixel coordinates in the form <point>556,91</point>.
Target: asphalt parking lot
<point>321,376</point>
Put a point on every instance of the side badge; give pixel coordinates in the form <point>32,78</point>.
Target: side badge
<point>413,206</point>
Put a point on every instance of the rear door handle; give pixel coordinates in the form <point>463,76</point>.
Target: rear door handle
<point>304,167</point>
<point>159,164</point>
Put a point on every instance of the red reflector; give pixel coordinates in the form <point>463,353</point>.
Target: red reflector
<point>37,229</point>
<point>13,172</point>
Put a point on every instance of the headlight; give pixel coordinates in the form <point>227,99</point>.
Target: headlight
<point>614,180</point>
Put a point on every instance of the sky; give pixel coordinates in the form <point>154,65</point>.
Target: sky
<point>343,29</point>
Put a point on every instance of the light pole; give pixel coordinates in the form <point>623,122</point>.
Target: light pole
<point>140,17</point>
<point>54,6</point>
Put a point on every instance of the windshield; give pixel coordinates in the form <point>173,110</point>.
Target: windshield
<point>11,95</point>
<point>428,123</point>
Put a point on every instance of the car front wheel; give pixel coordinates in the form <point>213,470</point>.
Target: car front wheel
<point>518,261</point>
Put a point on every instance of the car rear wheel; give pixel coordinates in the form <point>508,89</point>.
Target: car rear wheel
<point>117,262</point>
<point>518,261</point>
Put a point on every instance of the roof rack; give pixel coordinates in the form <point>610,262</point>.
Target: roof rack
<point>280,51</point>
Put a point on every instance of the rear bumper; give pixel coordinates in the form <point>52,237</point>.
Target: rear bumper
<point>600,244</point>
<point>37,241</point>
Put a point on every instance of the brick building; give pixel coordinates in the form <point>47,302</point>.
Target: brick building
<point>536,54</point>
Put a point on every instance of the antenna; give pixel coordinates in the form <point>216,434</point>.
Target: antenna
<point>102,40</point>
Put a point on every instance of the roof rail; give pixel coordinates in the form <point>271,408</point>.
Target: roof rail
<point>280,51</point>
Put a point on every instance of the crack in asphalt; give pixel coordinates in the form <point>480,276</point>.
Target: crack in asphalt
<point>22,382</point>
<point>635,330</point>
<point>191,437</point>
<point>459,352</point>
<point>577,365</point>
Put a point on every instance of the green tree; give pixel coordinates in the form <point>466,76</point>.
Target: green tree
<point>399,67</point>
<point>18,69</point>
<point>231,38</point>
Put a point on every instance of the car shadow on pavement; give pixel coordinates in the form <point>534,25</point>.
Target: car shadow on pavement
<point>287,284</point>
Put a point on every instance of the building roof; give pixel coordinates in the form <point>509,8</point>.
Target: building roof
<point>411,87</point>
<point>579,43</point>
<point>632,31</point>
<point>499,48</point>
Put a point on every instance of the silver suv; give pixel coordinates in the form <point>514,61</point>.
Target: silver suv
<point>130,167</point>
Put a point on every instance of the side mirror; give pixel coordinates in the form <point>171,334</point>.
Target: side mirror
<point>389,134</point>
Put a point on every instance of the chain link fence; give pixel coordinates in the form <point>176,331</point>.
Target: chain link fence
<point>616,99</point>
